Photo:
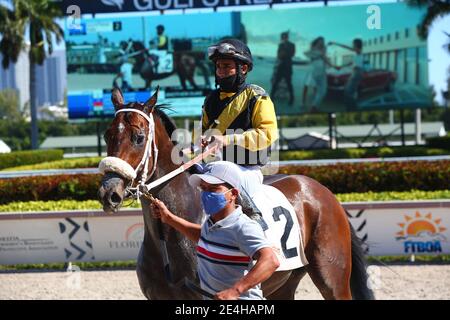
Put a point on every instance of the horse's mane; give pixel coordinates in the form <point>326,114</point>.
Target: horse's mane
<point>168,123</point>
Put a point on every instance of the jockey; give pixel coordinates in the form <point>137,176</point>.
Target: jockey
<point>237,116</point>
<point>161,41</point>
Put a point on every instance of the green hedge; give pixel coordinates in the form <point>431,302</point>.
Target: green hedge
<point>20,158</point>
<point>439,142</point>
<point>339,178</point>
<point>60,205</point>
<point>63,205</point>
<point>91,162</point>
<point>352,153</point>
<point>378,176</point>
<point>394,195</point>
<point>56,187</point>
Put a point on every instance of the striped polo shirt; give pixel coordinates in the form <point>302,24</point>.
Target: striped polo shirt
<point>225,251</point>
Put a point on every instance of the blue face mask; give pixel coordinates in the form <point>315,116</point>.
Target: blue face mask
<point>213,202</point>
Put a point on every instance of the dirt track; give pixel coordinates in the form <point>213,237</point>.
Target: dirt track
<point>393,282</point>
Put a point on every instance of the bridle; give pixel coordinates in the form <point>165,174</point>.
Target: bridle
<point>117,165</point>
<point>134,191</point>
<point>124,169</point>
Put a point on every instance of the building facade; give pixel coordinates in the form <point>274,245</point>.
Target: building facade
<point>401,51</point>
<point>51,79</point>
<point>17,77</point>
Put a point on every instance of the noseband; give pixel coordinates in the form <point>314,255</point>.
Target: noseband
<point>124,169</point>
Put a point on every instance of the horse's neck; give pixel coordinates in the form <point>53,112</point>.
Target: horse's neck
<point>183,201</point>
<point>177,194</point>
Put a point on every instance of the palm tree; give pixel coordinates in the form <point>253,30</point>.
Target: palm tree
<point>38,16</point>
<point>435,9</point>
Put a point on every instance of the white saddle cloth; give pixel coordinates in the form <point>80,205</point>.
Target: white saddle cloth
<point>284,230</point>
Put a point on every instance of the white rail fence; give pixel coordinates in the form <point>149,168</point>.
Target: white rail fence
<point>386,228</point>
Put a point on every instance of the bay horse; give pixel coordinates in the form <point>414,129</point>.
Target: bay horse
<point>336,260</point>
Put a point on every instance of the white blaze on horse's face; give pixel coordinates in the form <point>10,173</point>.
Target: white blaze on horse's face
<point>123,168</point>
<point>121,127</point>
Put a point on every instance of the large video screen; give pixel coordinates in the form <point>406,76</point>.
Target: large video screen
<point>318,59</point>
<point>137,54</point>
<point>340,58</point>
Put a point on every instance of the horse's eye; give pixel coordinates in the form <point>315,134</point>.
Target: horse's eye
<point>138,138</point>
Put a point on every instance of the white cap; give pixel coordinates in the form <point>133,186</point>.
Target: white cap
<point>218,172</point>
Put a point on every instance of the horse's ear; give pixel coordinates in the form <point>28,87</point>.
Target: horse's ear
<point>150,103</point>
<point>117,98</point>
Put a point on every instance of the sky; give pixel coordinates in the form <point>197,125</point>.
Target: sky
<point>439,57</point>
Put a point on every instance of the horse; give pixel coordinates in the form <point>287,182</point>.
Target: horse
<point>337,264</point>
<point>184,65</point>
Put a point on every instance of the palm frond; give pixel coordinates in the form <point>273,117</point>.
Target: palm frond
<point>435,9</point>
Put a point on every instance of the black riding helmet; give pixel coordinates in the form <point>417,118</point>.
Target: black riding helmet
<point>231,49</point>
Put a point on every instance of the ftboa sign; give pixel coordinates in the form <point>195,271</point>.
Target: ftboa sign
<point>114,6</point>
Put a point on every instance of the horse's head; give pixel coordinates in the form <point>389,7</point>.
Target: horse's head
<point>131,150</point>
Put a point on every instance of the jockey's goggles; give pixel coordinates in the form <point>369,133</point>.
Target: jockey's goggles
<point>225,49</point>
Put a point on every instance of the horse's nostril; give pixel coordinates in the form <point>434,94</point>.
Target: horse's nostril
<point>115,198</point>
